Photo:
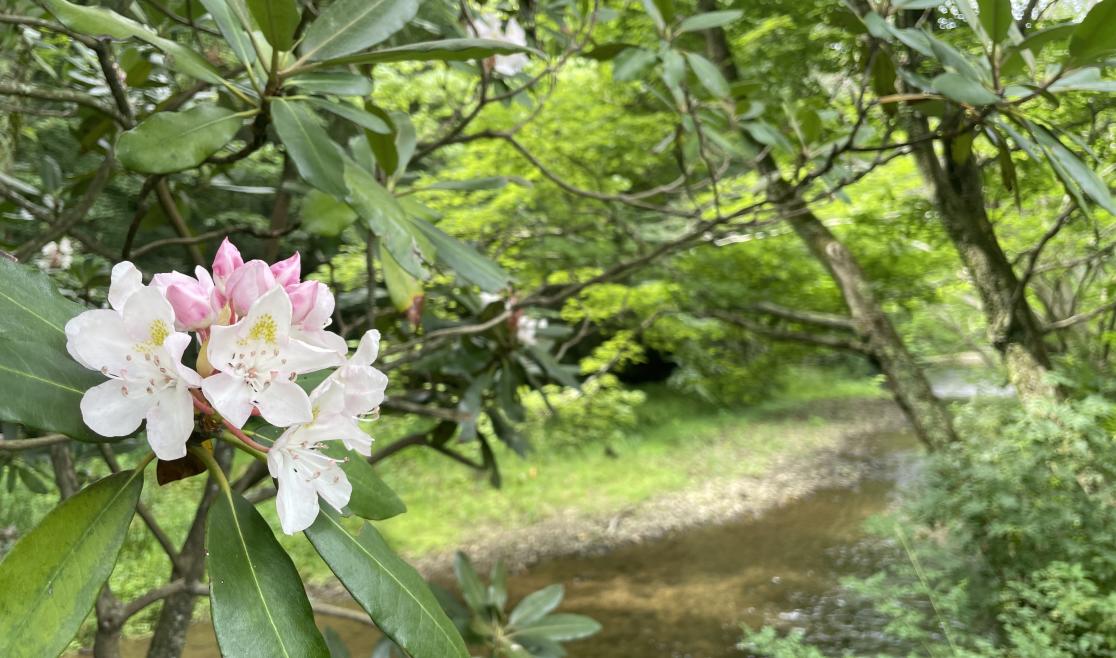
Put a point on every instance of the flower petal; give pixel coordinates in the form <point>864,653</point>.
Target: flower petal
<point>170,422</point>
<point>322,339</point>
<point>125,281</point>
<point>334,487</point>
<point>297,501</point>
<point>284,403</point>
<point>108,411</point>
<point>221,348</point>
<point>364,388</point>
<point>268,320</point>
<point>175,345</point>
<point>97,339</point>
<point>230,396</point>
<point>299,357</point>
<point>148,316</point>
<point>368,349</point>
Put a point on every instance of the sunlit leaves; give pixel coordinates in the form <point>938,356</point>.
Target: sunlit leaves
<point>709,20</point>
<point>1095,37</point>
<point>167,142</point>
<point>446,50</point>
<point>708,74</point>
<point>957,87</point>
<point>996,18</point>
<point>50,579</point>
<point>259,606</point>
<point>277,19</point>
<point>347,26</point>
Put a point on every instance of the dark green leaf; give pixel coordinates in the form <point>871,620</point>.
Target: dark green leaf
<point>32,480</point>
<point>472,589</point>
<point>167,142</point>
<point>384,216</point>
<point>995,16</point>
<point>1067,161</point>
<point>232,28</point>
<point>315,154</point>
<point>326,216</point>
<point>963,90</point>
<point>339,83</point>
<point>1095,37</point>
<point>371,498</point>
<point>347,26</point>
<point>536,605</point>
<point>446,50</point>
<point>277,19</point>
<point>560,627</point>
<point>50,579</point>
<point>709,20</point>
<point>1088,79</point>
<point>470,264</point>
<point>40,384</point>
<point>365,120</point>
<point>388,589</point>
<point>258,603</point>
<point>336,644</point>
<point>631,64</point>
<point>708,74</point>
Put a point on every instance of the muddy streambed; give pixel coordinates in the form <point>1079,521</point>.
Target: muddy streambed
<point>685,595</point>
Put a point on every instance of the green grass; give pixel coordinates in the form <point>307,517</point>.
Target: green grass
<point>675,442</point>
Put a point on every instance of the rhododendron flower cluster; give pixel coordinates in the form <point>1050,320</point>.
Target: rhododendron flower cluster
<point>257,327</point>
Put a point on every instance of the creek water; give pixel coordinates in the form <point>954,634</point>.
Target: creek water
<point>686,595</point>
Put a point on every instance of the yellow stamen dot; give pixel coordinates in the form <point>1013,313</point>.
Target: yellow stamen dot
<point>264,329</point>
<point>159,332</point>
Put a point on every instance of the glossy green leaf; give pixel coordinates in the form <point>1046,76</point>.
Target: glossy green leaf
<point>403,288</point>
<point>40,384</point>
<point>560,627</point>
<point>1068,165</point>
<point>536,605</point>
<point>258,603</point>
<point>51,578</point>
<point>277,19</point>
<point>386,218</point>
<point>957,87</point>
<point>446,50</point>
<point>995,16</point>
<point>372,498</point>
<point>631,63</point>
<point>1095,36</point>
<point>1087,79</point>
<point>324,215</point>
<point>709,20</point>
<point>167,142</point>
<point>389,589</point>
<point>708,74</point>
<point>347,26</point>
<point>365,120</point>
<point>338,83</point>
<point>316,156</point>
<point>472,589</point>
<point>232,28</point>
<point>470,264</point>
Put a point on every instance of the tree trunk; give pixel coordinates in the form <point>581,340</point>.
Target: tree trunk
<point>928,416</point>
<point>1013,328</point>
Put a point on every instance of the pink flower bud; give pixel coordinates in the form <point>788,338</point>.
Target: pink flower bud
<point>312,305</point>
<point>227,261</point>
<point>192,298</point>
<point>287,271</point>
<point>247,284</point>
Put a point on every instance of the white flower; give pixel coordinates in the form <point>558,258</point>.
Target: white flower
<point>258,360</point>
<point>487,26</point>
<point>135,345</point>
<point>527,329</point>
<point>303,472</point>
<point>360,388</point>
<point>56,255</point>
<point>313,305</point>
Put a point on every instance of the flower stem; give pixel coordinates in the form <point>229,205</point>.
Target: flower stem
<point>255,449</point>
<point>243,440</point>
<point>212,466</point>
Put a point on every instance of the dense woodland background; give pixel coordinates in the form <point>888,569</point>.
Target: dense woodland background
<point>730,201</point>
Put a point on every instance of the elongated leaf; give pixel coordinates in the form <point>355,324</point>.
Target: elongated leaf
<point>536,605</point>
<point>1095,37</point>
<point>277,19</point>
<point>365,120</point>
<point>995,16</point>
<point>50,579</point>
<point>403,288</point>
<point>40,383</point>
<point>560,627</point>
<point>372,498</point>
<point>347,26</point>
<point>232,28</point>
<point>963,90</point>
<point>386,218</point>
<point>259,606</point>
<point>388,589</point>
<point>708,74</point>
<point>482,183</point>
<point>167,142</point>
<point>915,4</point>
<point>1080,174</point>
<point>315,154</point>
<point>324,215</point>
<point>709,20</point>
<point>472,589</point>
<point>1088,79</point>
<point>463,259</point>
<point>630,63</point>
<point>339,83</point>
<point>446,50</point>
<point>98,21</point>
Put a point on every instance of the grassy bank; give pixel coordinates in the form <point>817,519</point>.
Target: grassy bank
<point>670,443</point>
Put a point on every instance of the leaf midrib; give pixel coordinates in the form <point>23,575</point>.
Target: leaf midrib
<point>370,8</point>
<point>33,313</point>
<point>387,571</point>
<point>29,375</point>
